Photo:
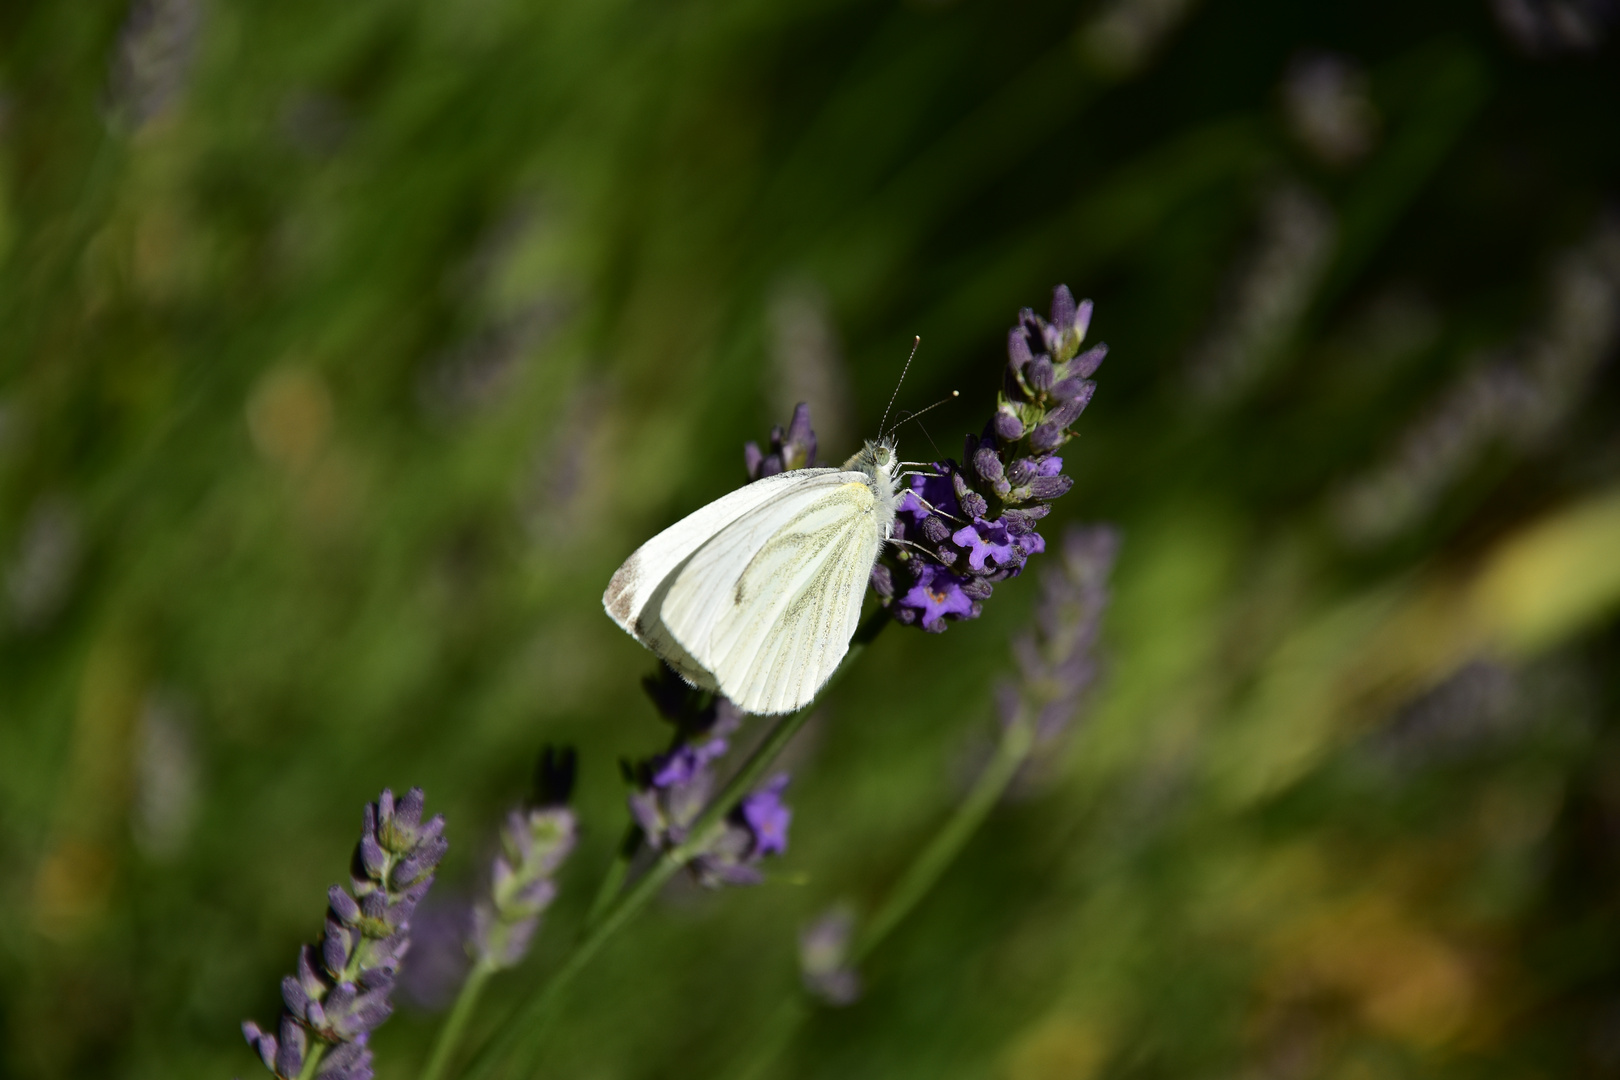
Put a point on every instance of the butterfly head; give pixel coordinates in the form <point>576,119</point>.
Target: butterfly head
<point>878,460</point>
<point>876,454</point>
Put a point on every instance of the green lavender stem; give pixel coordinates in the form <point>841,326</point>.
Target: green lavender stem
<point>779,1030</point>
<point>920,877</point>
<point>455,1025</point>
<point>1017,740</point>
<point>613,880</point>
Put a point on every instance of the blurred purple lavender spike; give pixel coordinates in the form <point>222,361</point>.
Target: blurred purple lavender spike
<point>533,845</point>
<point>341,991</point>
<point>152,62</point>
<point>1552,27</point>
<point>535,841</point>
<point>824,962</point>
<point>1057,656</point>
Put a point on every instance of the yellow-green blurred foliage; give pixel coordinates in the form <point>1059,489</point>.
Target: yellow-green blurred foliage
<point>345,349</point>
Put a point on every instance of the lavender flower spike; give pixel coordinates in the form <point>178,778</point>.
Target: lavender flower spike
<point>1057,657</point>
<point>972,524</point>
<point>340,992</point>
<point>534,843</point>
<point>671,790</point>
<point>793,449</point>
<point>824,961</point>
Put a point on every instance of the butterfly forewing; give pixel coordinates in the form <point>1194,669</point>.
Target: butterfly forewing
<point>647,572</point>
<point>768,605</point>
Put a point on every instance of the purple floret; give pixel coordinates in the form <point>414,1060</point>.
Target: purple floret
<point>986,541</point>
<point>937,593</point>
<point>683,763</point>
<point>671,791</point>
<point>768,817</point>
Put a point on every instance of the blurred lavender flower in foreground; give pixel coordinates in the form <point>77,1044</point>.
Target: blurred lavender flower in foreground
<point>824,958</point>
<point>153,59</point>
<point>971,525</point>
<point>672,789</point>
<point>1121,37</point>
<point>438,964</point>
<point>1329,108</point>
<point>166,776</point>
<point>341,991</point>
<point>40,575</point>
<point>534,843</point>
<point>1544,27</point>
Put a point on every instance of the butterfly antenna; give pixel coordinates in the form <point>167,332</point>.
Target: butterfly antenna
<point>915,342</point>
<point>930,438</point>
<point>912,416</point>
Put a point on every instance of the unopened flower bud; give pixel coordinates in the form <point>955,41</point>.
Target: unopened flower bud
<point>1068,412</point>
<point>371,857</point>
<point>1086,364</point>
<point>262,1042</point>
<point>1018,352</point>
<point>1047,436</point>
<point>344,906</point>
<point>977,589</point>
<point>1063,309</point>
<point>1050,487</point>
<point>1082,319</point>
<point>1039,374</point>
<point>988,465</point>
<point>291,1048</point>
<point>1008,426</point>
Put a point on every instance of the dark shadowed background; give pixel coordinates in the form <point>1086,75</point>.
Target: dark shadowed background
<point>346,349</point>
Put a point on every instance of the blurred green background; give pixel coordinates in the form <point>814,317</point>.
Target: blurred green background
<point>347,348</point>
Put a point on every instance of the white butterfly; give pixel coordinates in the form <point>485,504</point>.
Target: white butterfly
<point>757,594</point>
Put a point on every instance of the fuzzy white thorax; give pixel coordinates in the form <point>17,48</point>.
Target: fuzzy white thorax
<point>877,459</point>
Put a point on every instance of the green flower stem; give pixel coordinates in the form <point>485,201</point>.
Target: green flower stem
<point>613,880</point>
<point>1012,751</point>
<point>925,870</point>
<point>455,1025</point>
<point>312,1059</point>
<point>778,1032</point>
<point>534,1017</point>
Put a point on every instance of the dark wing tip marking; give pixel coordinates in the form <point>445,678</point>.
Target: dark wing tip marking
<point>619,594</point>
